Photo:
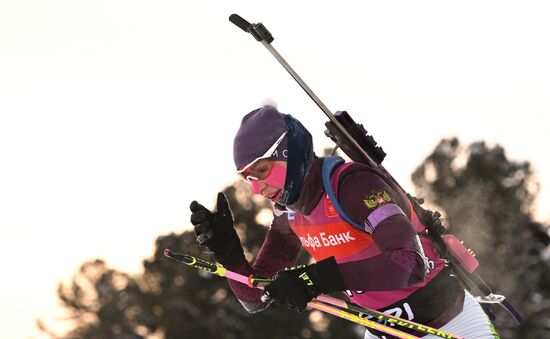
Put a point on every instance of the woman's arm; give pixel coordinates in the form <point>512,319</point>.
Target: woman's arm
<point>280,249</point>
<point>373,203</point>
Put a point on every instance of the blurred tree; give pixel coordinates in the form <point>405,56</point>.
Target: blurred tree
<point>485,197</point>
<point>171,300</point>
<point>104,303</point>
<point>488,202</point>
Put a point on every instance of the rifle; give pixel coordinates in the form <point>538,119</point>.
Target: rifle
<point>361,147</point>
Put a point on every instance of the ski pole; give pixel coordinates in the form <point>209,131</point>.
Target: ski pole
<point>379,316</point>
<point>222,272</point>
<point>359,320</point>
<point>261,34</point>
<point>260,282</point>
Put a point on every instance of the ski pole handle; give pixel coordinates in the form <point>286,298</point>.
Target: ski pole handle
<point>196,262</point>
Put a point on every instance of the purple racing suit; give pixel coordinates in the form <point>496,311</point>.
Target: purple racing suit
<point>390,265</point>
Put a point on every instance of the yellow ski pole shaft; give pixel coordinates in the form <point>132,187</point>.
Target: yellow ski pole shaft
<point>222,272</point>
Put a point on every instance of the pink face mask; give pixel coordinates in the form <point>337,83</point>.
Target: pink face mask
<point>275,178</point>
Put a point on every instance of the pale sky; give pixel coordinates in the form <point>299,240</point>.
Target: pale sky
<point>115,115</point>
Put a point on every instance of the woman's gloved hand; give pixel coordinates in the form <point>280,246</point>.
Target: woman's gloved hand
<point>216,232</point>
<point>294,287</point>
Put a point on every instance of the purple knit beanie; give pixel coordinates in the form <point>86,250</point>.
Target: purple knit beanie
<point>259,130</point>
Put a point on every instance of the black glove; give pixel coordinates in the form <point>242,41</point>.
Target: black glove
<point>294,287</point>
<point>215,231</point>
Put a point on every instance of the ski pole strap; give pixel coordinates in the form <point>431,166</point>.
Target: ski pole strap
<point>257,282</point>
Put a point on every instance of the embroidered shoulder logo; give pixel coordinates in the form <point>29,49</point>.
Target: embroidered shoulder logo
<point>377,199</point>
